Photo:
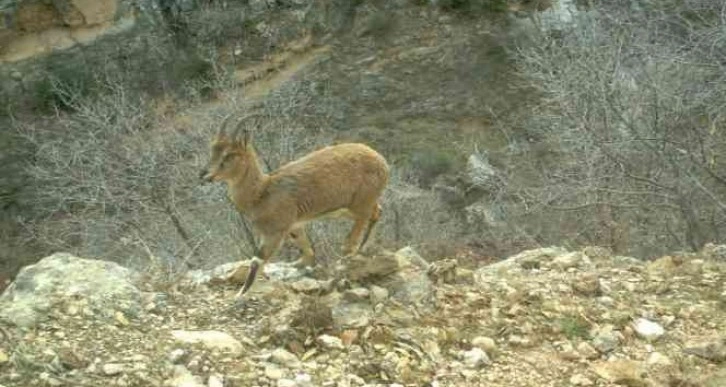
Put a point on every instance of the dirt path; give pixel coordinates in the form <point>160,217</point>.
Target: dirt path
<point>256,82</point>
<point>260,80</point>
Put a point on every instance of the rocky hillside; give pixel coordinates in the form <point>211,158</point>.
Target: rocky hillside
<point>545,317</point>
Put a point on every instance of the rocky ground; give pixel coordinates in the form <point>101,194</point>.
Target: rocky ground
<point>545,317</point>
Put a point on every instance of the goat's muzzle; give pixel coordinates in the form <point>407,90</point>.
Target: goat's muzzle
<point>205,176</point>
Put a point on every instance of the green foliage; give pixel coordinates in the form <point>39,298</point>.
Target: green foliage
<point>573,327</point>
<point>380,24</point>
<point>430,163</point>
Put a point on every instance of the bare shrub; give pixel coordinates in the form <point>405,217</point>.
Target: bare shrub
<point>104,177</point>
<point>624,150</point>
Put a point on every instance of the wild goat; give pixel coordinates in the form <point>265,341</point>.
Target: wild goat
<point>345,179</point>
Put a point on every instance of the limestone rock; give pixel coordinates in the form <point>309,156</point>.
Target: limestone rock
<point>210,339</point>
<point>713,349</point>
<point>182,377</point>
<point>54,282</point>
<point>485,343</point>
<point>475,358</point>
<point>330,342</point>
<point>624,372</point>
<point>284,358</point>
<point>648,330</point>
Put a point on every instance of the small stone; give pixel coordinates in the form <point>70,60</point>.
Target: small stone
<point>210,339</point>
<point>519,341</point>
<point>306,285</point>
<point>713,349</point>
<point>274,372</point>
<point>356,380</point>
<point>606,340</point>
<point>183,378</point>
<point>303,380</point>
<point>658,359</point>
<point>580,380</point>
<point>606,301</point>
<point>587,351</point>
<point>648,330</point>
<point>356,295</point>
<point>567,261</point>
<point>624,372</point>
<point>286,383</point>
<point>177,356</point>
<point>111,369</point>
<point>475,358</point>
<point>121,319</point>
<point>4,358</point>
<point>215,381</point>
<point>587,285</point>
<point>485,343</point>
<point>284,358</point>
<point>378,294</point>
<point>330,342</point>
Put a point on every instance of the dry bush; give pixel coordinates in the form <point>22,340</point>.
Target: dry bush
<point>625,148</point>
<point>110,180</point>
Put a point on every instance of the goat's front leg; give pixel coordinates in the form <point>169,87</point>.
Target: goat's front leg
<point>270,244</point>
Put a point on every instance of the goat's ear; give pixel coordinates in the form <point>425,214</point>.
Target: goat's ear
<point>246,138</point>
<point>243,138</point>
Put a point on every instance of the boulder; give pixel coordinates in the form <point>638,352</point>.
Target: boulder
<point>63,282</point>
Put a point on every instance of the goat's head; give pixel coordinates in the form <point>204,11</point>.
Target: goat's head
<point>228,153</point>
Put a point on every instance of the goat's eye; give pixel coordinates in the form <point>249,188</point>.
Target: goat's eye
<point>226,158</point>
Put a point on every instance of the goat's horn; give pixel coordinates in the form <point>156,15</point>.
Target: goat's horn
<point>221,131</point>
<point>239,129</point>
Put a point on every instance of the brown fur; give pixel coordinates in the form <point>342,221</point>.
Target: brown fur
<point>346,179</point>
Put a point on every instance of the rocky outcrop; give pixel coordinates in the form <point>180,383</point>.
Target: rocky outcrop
<point>33,27</point>
<point>546,316</point>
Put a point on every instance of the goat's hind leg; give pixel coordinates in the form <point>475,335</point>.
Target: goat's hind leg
<point>377,212</point>
<point>302,240</point>
<point>361,220</point>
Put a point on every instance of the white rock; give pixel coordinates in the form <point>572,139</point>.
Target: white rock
<point>378,294</point>
<point>580,380</point>
<point>330,342</point>
<point>183,378</point>
<point>357,294</point>
<point>475,358</point>
<point>568,260</point>
<point>110,369</point>
<point>485,343</point>
<point>215,381</point>
<point>284,358</point>
<point>210,339</point>
<point>274,372</point>
<point>356,380</point>
<point>648,330</point>
<point>303,380</point>
<point>286,383</point>
<point>177,355</point>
